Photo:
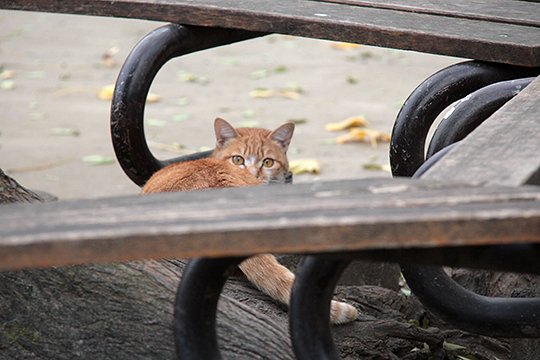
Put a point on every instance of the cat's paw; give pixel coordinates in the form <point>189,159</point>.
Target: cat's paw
<point>341,313</point>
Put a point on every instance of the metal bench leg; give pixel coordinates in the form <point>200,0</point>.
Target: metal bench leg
<point>506,317</point>
<point>431,97</point>
<point>309,316</point>
<point>471,111</point>
<point>133,83</point>
<point>196,306</point>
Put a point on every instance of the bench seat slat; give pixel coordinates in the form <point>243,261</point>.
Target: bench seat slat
<point>469,38</point>
<point>334,216</point>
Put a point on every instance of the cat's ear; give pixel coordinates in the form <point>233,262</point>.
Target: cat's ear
<point>224,132</point>
<point>283,134</point>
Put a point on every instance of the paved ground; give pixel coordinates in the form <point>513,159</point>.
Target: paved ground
<point>51,119</point>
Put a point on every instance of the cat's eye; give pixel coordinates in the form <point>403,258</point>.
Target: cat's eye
<point>268,162</point>
<point>237,160</point>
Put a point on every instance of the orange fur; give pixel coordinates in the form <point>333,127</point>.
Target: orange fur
<point>241,158</point>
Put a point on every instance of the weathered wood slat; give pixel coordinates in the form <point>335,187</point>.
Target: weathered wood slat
<point>504,11</point>
<point>469,38</point>
<point>355,215</point>
<point>503,150</point>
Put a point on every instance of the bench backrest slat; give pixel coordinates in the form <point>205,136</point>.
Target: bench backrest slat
<point>504,11</point>
<point>425,32</point>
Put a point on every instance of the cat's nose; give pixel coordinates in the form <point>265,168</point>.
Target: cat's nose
<point>253,170</point>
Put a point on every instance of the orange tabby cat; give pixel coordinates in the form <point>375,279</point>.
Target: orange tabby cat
<point>245,157</point>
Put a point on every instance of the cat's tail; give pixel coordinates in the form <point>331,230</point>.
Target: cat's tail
<point>341,313</point>
<point>274,279</point>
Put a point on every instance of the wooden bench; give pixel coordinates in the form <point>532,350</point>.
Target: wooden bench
<point>505,31</point>
<point>471,200</point>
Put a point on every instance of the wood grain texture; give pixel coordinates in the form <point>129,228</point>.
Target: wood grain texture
<point>503,150</point>
<point>446,35</point>
<point>334,216</point>
<point>504,11</point>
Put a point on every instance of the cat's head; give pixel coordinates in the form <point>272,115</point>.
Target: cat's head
<point>262,152</point>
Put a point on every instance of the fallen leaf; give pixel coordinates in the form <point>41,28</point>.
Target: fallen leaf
<point>187,77</point>
<point>98,160</point>
<point>261,93</point>
<point>7,84</point>
<point>152,98</point>
<point>452,347</point>
<point>352,80</point>
<point>259,74</point>
<point>352,122</point>
<point>248,113</point>
<point>376,167</point>
<point>231,61</point>
<point>344,45</point>
<point>281,69</point>
<point>106,92</point>
<point>65,132</point>
<point>298,121</point>
<point>181,117</point>
<point>304,166</point>
<point>7,74</point>
<point>289,94</point>
<point>293,86</point>
<point>364,135</point>
<point>192,78</point>
<point>107,58</point>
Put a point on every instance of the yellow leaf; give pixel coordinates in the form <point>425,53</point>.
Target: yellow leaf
<point>355,121</point>
<point>152,98</point>
<point>107,92</point>
<point>293,95</point>
<point>7,74</point>
<point>305,166</point>
<point>364,135</point>
<point>344,46</point>
<point>377,167</point>
<point>261,93</point>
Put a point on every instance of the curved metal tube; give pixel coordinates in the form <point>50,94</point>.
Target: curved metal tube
<point>472,110</point>
<point>133,83</point>
<point>312,293</point>
<point>492,316</point>
<point>196,305</point>
<point>506,317</point>
<point>431,97</point>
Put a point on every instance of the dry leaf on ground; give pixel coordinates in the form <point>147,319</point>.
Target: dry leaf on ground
<point>107,92</point>
<point>107,58</point>
<point>98,160</point>
<point>344,46</point>
<point>377,167</point>
<point>261,93</point>
<point>352,122</point>
<point>304,166</point>
<point>364,135</point>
